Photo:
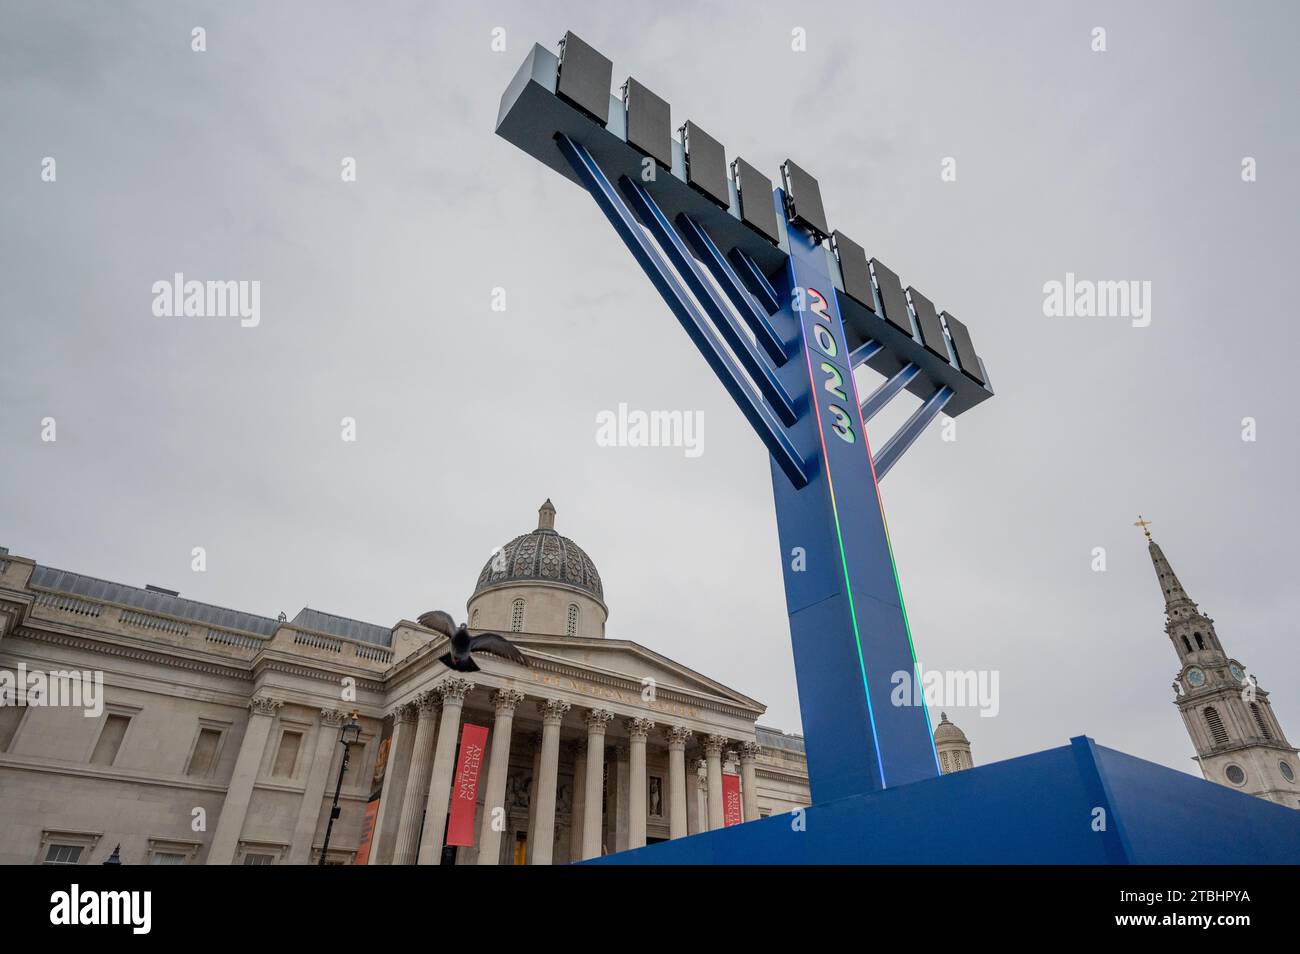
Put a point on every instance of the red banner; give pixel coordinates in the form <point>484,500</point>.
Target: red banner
<point>731,800</point>
<point>367,833</point>
<point>464,790</point>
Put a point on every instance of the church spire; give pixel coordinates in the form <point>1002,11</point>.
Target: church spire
<point>1191,631</point>
<point>1177,602</point>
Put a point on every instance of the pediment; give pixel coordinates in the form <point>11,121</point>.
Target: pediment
<point>632,660</point>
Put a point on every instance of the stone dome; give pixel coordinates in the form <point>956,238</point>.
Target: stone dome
<point>542,556</point>
<point>945,731</point>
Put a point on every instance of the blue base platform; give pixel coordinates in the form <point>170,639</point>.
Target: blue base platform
<point>1037,809</point>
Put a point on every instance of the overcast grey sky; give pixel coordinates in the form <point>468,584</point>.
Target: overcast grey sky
<point>1122,165</point>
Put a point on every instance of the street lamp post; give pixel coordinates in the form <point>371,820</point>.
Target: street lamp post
<point>348,737</point>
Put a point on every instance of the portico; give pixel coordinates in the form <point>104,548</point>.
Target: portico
<point>580,761</point>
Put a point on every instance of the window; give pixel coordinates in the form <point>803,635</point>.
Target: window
<point>517,616</point>
<point>63,855</point>
<point>110,739</point>
<point>943,757</point>
<point>260,853</point>
<point>1235,775</point>
<point>572,628</point>
<point>167,851</point>
<point>1285,769</point>
<point>286,757</point>
<point>473,619</point>
<point>60,847</point>
<point>1259,721</point>
<point>1200,643</point>
<point>336,856</point>
<point>204,757</point>
<point>1187,644</point>
<point>1215,725</point>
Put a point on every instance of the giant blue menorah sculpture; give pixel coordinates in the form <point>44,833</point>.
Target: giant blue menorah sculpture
<point>784,310</point>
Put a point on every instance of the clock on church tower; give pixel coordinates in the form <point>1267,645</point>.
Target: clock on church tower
<point>1239,742</point>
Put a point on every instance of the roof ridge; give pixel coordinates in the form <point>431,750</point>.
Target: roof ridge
<point>141,589</point>
<point>351,619</point>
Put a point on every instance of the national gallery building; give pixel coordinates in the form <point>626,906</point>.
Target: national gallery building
<point>217,735</point>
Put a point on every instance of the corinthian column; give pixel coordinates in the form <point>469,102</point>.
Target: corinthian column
<point>396,776</point>
<point>637,730</point>
<point>749,752</point>
<point>543,839</point>
<point>494,796</point>
<point>230,825</point>
<point>713,755</point>
<point>453,693</point>
<point>407,848</point>
<point>592,827</point>
<point>677,736</point>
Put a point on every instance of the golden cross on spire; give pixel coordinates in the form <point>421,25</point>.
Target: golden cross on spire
<point>1143,524</point>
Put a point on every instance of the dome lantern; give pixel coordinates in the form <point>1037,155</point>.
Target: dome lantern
<point>952,746</point>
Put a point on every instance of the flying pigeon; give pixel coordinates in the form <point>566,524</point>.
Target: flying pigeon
<point>463,644</point>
